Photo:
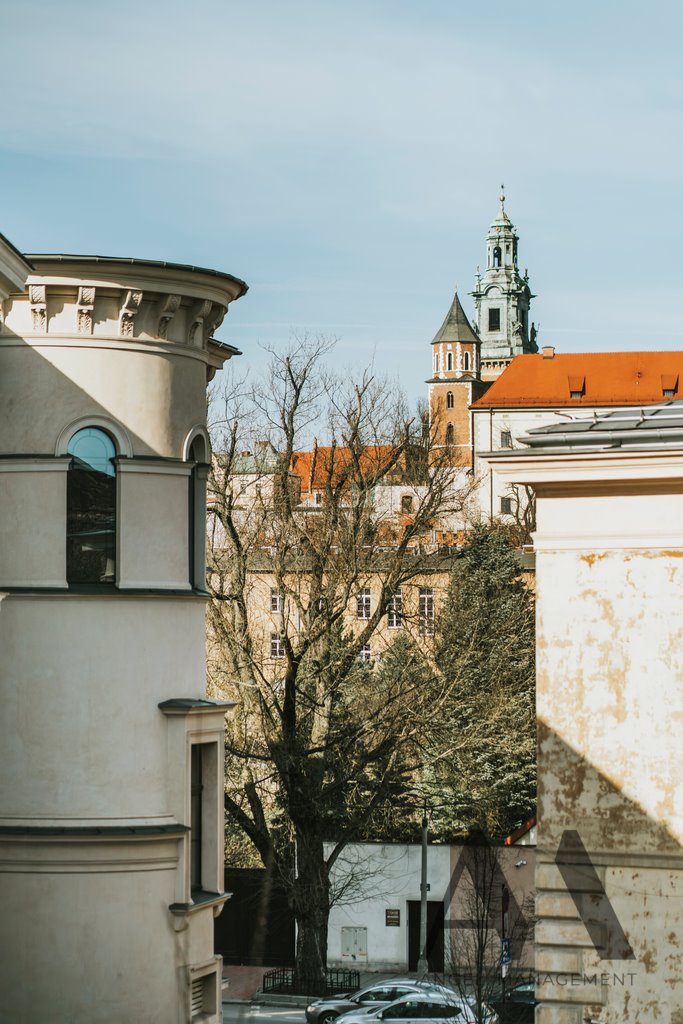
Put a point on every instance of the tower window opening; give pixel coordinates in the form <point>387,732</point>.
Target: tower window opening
<point>494,319</point>
<point>466,361</point>
<point>436,363</point>
<point>449,400</point>
<point>91,508</point>
<point>197,513</point>
<point>449,361</point>
<point>497,256</point>
<point>450,434</point>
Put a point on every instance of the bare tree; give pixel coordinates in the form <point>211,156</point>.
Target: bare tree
<point>322,740</point>
<point>485,911</point>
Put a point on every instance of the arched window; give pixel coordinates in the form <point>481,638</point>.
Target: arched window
<point>449,400</point>
<point>449,434</point>
<point>91,508</point>
<point>497,255</point>
<point>436,363</point>
<point>197,513</point>
<point>449,361</point>
<point>466,361</point>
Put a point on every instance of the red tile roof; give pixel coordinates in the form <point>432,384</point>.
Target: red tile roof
<point>596,378</point>
<point>313,467</point>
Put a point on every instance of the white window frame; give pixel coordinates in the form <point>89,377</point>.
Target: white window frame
<point>365,654</point>
<point>364,603</point>
<point>426,611</point>
<point>275,600</point>
<point>277,647</point>
<point>395,611</point>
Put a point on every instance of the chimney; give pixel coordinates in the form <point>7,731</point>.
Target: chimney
<point>548,351</point>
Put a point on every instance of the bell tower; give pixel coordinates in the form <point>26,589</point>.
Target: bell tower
<point>455,383</point>
<point>502,297</point>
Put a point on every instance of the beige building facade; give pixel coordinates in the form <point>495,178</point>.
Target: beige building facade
<point>609,871</point>
<point>111,810</point>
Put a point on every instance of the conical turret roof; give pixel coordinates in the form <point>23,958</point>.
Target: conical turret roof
<point>456,326</point>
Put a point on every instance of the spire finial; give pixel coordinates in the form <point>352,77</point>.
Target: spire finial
<point>502,198</point>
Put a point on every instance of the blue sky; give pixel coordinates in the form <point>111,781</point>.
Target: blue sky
<point>345,157</point>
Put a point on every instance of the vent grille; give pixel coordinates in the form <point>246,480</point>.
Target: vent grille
<point>197,996</point>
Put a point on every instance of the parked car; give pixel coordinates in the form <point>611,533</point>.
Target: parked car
<point>436,1005</point>
<point>518,1005</point>
<point>365,1001</point>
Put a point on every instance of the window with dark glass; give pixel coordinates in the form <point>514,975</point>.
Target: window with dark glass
<point>497,256</point>
<point>196,789</point>
<point>197,514</point>
<point>506,506</point>
<point>406,503</point>
<point>450,434</point>
<point>449,400</point>
<point>91,508</point>
<point>494,319</point>
<point>449,361</point>
<point>277,647</point>
<point>505,439</point>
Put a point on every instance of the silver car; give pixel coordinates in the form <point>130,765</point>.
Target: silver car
<point>366,1000</point>
<point>435,1006</point>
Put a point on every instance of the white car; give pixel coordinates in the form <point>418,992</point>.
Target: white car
<point>419,1008</point>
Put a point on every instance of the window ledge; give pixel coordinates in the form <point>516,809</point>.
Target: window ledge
<point>194,705</point>
<point>200,899</point>
<point>93,831</point>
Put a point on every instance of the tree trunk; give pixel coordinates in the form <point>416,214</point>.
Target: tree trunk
<point>311,905</point>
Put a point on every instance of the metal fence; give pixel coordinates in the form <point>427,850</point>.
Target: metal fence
<point>286,979</point>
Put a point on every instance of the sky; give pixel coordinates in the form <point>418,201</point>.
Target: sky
<point>345,157</point>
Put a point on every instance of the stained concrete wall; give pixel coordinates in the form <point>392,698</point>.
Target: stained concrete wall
<point>609,556</point>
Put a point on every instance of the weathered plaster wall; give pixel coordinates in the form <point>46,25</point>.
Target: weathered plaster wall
<point>610,710</point>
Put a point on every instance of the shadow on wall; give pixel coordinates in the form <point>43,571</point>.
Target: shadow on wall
<point>149,397</point>
<point>609,892</point>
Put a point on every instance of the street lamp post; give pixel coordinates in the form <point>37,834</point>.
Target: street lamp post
<point>422,963</point>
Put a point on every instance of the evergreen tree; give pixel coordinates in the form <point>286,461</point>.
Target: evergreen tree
<point>482,772</point>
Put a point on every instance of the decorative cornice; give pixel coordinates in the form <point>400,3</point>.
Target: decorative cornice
<point>205,318</point>
<point>129,310</point>
<point>85,305</point>
<point>200,313</point>
<point>168,307</point>
<point>37,294</point>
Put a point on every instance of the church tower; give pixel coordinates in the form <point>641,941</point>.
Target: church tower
<point>501,300</point>
<point>455,383</point>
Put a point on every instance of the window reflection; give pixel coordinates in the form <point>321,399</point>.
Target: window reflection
<point>91,508</point>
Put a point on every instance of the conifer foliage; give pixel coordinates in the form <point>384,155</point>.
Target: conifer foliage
<point>482,773</point>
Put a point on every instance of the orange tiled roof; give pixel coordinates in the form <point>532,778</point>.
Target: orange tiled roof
<point>313,466</point>
<point>596,378</point>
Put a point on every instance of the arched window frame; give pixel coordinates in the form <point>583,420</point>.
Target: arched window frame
<point>85,564</point>
<point>449,400</point>
<point>449,361</point>
<point>497,256</point>
<point>466,361</point>
<point>197,451</point>
<point>450,434</point>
